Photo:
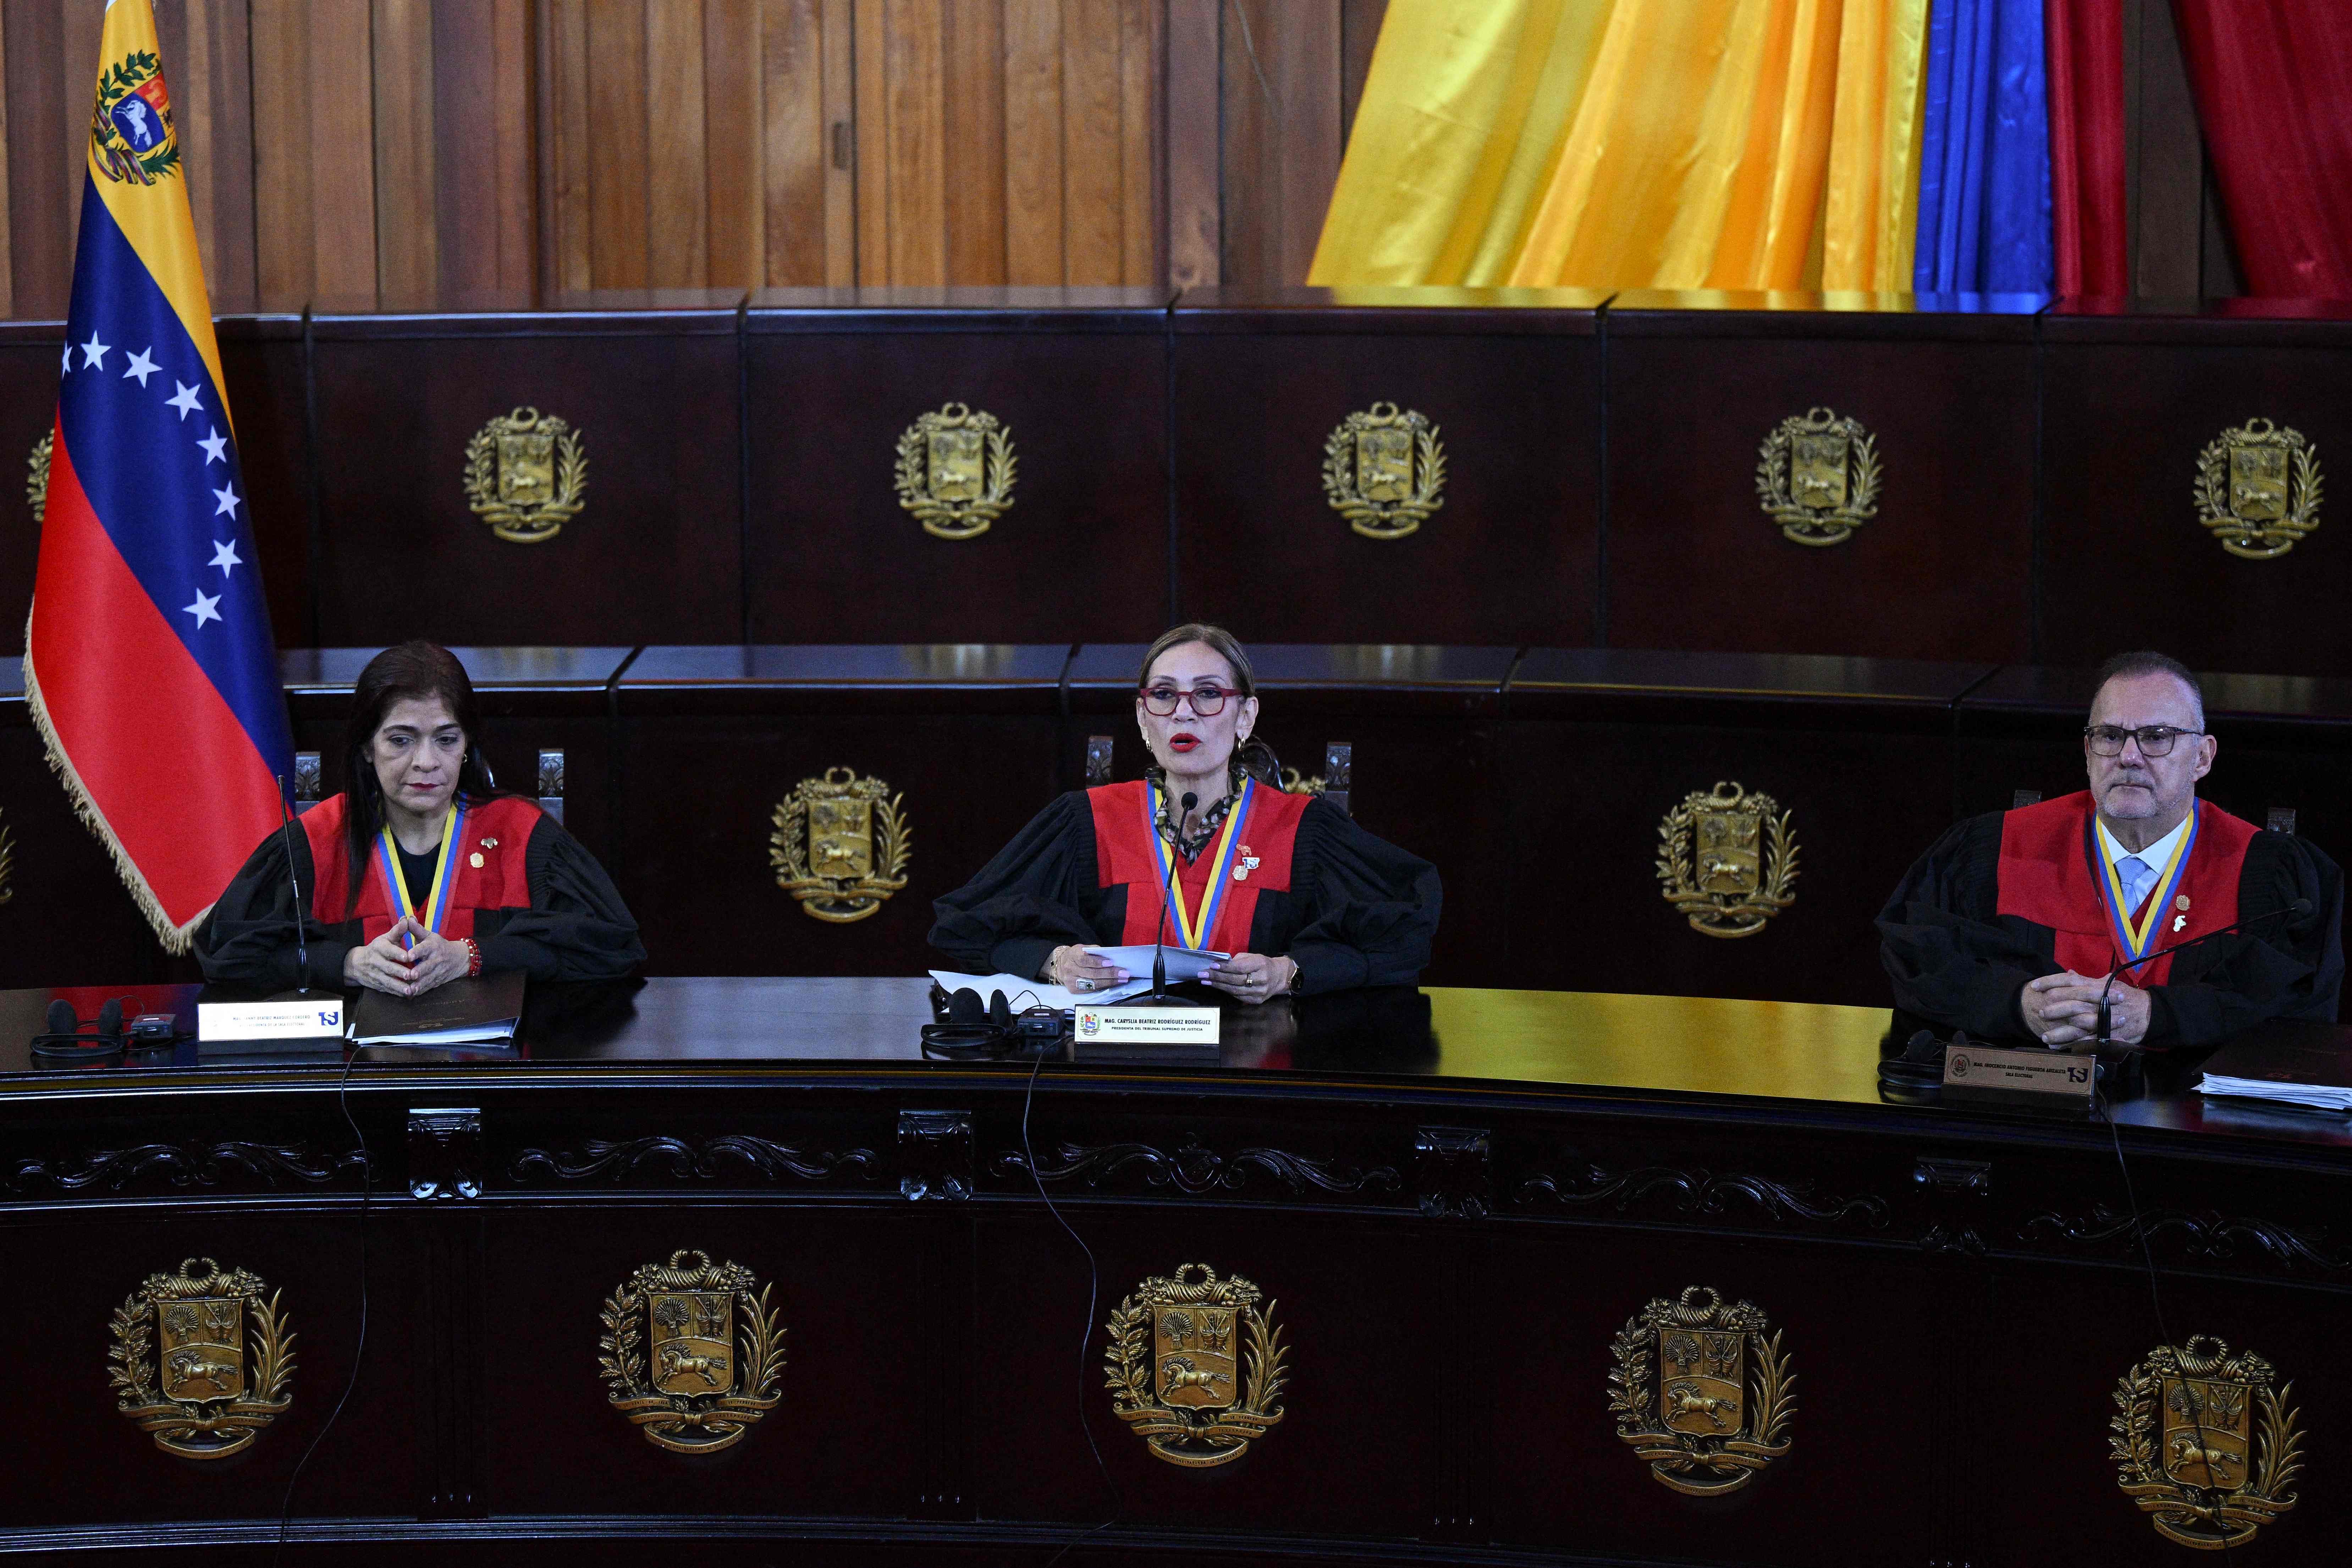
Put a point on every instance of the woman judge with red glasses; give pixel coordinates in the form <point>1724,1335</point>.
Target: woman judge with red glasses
<point>1303,899</point>
<point>420,872</point>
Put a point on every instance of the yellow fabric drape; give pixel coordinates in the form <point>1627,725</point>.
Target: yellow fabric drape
<point>1873,214</point>
<point>1735,144</point>
<point>1464,110</point>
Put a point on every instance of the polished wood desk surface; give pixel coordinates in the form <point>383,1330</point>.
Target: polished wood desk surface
<point>1442,1039</point>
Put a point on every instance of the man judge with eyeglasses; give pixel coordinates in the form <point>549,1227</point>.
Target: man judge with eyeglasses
<point>2010,926</point>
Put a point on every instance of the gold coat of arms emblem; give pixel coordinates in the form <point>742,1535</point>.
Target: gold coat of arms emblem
<point>2258,488</point>
<point>1702,1392</point>
<point>36,476</point>
<point>840,845</point>
<point>692,1352</point>
<point>1194,1367</point>
<point>1818,477</point>
<point>956,471</point>
<point>526,476</point>
<point>2204,1443</point>
<point>185,1368</point>
<point>1384,472</point>
<point>1727,858</point>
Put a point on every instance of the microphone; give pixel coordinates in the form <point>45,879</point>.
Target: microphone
<point>301,941</point>
<point>1160,936</point>
<point>2106,1006</point>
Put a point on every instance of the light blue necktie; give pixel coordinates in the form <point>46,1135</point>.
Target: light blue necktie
<point>2136,874</point>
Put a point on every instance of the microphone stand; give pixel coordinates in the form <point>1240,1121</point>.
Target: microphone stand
<point>294,880</point>
<point>1159,998</point>
<point>2105,1040</point>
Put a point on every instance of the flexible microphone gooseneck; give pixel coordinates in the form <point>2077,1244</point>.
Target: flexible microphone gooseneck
<point>301,942</point>
<point>2106,1005</point>
<point>1160,936</point>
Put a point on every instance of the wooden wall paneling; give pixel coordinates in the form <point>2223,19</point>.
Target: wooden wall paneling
<point>841,138</point>
<point>77,65</point>
<point>1281,71</point>
<point>1360,31</point>
<point>912,145</point>
<point>1264,377</point>
<point>263,363</point>
<point>207,62</point>
<point>1142,143</point>
<point>677,171</point>
<point>1080,387</point>
<point>28,407</point>
<point>40,214</point>
<point>343,174</point>
<point>1033,184</point>
<point>2165,177</point>
<point>1092,154</point>
<point>69,920</point>
<point>734,137</point>
<point>654,553</point>
<point>972,59</point>
<point>1194,223</point>
<point>285,248</point>
<point>7,282</point>
<point>618,145</point>
<point>2130,404</point>
<point>809,173</point>
<point>566,259</point>
<point>483,183</point>
<point>1941,571</point>
<point>407,263</point>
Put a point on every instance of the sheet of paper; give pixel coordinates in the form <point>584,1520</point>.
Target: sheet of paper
<point>1183,963</point>
<point>2317,1095</point>
<point>1020,993</point>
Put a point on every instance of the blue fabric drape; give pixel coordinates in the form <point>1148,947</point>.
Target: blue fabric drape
<point>1984,156</point>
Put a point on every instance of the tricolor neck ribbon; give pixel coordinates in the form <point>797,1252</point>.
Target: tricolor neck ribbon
<point>445,872</point>
<point>2137,939</point>
<point>1195,933</point>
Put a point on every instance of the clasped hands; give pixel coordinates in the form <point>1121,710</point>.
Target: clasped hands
<point>385,965</point>
<point>1246,976</point>
<point>2064,1008</point>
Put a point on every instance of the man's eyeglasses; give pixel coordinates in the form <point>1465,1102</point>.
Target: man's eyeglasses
<point>2107,740</point>
<point>1208,701</point>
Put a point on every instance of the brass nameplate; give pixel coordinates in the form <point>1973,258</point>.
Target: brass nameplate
<point>2061,1074</point>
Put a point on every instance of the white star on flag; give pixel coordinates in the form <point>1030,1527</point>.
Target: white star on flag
<point>69,370</point>
<point>205,608</point>
<point>185,400</point>
<point>227,496</point>
<point>215,446</point>
<point>93,353</point>
<point>142,365</point>
<point>225,556</point>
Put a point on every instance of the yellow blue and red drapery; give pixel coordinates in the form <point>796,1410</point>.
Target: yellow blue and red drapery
<point>1968,147</point>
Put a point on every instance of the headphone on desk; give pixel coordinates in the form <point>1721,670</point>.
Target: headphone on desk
<point>68,1036</point>
<point>972,1030</point>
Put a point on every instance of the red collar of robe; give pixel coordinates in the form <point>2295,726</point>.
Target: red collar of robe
<point>490,874</point>
<point>2050,874</point>
<point>1124,854</point>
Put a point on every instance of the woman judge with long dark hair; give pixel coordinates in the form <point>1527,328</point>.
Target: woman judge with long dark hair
<point>421,872</point>
<point>1303,899</point>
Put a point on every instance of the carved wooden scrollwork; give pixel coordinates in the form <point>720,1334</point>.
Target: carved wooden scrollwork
<point>1702,1192</point>
<point>730,1155</point>
<point>176,1165</point>
<point>1194,1169</point>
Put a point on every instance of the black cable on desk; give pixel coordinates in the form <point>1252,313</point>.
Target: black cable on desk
<point>1086,1334</point>
<point>359,1352</point>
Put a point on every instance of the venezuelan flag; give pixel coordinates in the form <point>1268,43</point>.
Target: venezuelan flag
<point>148,662</point>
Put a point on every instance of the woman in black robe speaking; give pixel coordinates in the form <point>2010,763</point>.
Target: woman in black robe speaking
<point>420,873</point>
<point>1206,850</point>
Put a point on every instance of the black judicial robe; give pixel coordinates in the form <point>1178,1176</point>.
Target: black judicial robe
<point>1352,909</point>
<point>549,910</point>
<point>1957,960</point>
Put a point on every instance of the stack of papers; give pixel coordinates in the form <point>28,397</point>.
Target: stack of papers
<point>1184,964</point>
<point>2315,1096</point>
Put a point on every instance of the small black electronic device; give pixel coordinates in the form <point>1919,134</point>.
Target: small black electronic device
<point>150,1030</point>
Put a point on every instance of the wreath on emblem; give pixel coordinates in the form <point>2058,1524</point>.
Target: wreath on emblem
<point>2216,506</point>
<point>1708,1463</point>
<point>693,1423</point>
<point>2205,1389</point>
<point>1721,913</point>
<point>941,517</point>
<point>840,899</point>
<point>116,156</point>
<point>525,522</point>
<point>201,1299</point>
<point>1211,1311</point>
<point>1818,525</point>
<point>1390,519</point>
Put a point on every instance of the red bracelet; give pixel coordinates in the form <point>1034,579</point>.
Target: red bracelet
<point>473,959</point>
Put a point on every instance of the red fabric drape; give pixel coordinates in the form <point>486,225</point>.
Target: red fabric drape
<point>2084,42</point>
<point>2273,86</point>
